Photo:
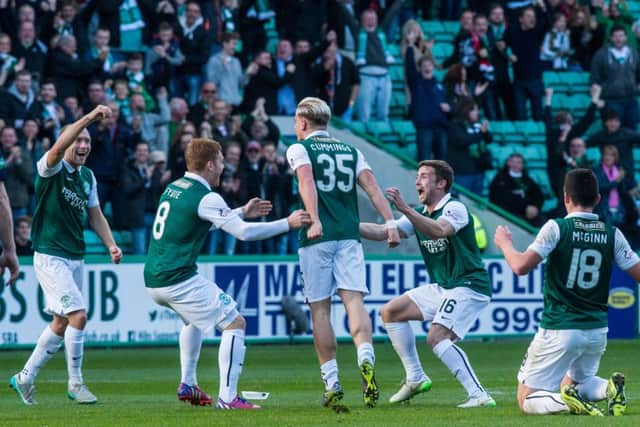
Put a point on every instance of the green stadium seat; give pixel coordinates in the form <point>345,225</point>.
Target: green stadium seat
<point>593,154</point>
<point>451,27</point>
<point>398,105</point>
<point>406,130</point>
<point>432,29</point>
<point>580,103</point>
<point>93,244</point>
<point>358,126</point>
<point>382,131</point>
<point>561,102</point>
<point>551,79</point>
<point>442,51</point>
<point>396,72</point>
<point>577,81</point>
<point>533,131</point>
<point>507,131</point>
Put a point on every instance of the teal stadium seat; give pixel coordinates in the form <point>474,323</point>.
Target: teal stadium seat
<point>396,72</point>
<point>358,127</point>
<point>382,131</point>
<point>442,51</point>
<point>580,103</point>
<point>398,105</point>
<point>406,131</point>
<point>533,132</point>
<point>93,244</point>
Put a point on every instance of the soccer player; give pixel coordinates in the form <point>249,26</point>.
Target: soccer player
<point>331,256</point>
<point>188,209</point>
<point>8,256</point>
<point>460,288</point>
<point>66,193</point>
<point>565,352</point>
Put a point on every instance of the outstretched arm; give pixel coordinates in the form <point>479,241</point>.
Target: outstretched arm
<point>71,132</point>
<point>367,181</point>
<point>520,262</point>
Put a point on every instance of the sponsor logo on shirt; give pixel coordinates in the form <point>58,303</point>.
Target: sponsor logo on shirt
<point>73,199</point>
<point>436,245</point>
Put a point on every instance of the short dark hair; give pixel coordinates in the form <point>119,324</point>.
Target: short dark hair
<point>23,219</point>
<point>442,169</point>
<point>164,26</point>
<point>226,37</point>
<point>524,10</point>
<point>610,114</point>
<point>135,56</point>
<point>581,185</point>
<point>617,27</point>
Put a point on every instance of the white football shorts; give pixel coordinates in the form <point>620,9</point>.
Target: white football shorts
<point>198,301</point>
<point>332,265</point>
<point>456,309</point>
<point>61,282</point>
<point>554,353</point>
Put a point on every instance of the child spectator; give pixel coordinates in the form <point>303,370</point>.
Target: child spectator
<point>556,46</point>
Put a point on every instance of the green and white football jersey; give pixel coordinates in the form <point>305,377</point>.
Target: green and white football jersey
<point>63,195</point>
<point>336,167</point>
<point>451,261</point>
<point>580,251</point>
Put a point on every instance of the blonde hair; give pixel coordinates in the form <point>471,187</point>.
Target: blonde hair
<point>315,110</point>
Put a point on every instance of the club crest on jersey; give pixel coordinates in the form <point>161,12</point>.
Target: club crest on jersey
<point>225,299</point>
<point>65,301</point>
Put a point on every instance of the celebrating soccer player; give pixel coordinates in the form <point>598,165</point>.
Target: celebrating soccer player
<point>565,352</point>
<point>331,256</point>
<point>186,212</point>
<point>461,288</point>
<point>66,191</point>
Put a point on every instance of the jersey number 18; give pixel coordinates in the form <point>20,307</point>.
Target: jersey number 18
<point>585,268</point>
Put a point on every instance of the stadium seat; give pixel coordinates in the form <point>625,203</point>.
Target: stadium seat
<point>578,82</point>
<point>358,127</point>
<point>561,102</point>
<point>382,131</point>
<point>533,131</point>
<point>580,103</point>
<point>397,76</point>
<point>93,243</point>
<point>433,30</point>
<point>398,105</point>
<point>451,27</point>
<point>394,50</point>
<point>505,132</point>
<point>551,79</point>
<point>442,51</point>
<point>406,130</point>
<point>593,154</point>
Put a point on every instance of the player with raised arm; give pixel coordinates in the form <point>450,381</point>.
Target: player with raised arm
<point>331,256</point>
<point>565,352</point>
<point>187,210</point>
<point>460,287</point>
<point>8,257</point>
<point>66,192</point>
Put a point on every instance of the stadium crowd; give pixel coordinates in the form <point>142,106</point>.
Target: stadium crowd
<point>172,70</point>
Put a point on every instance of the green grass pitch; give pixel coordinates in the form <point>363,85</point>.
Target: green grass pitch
<point>137,387</point>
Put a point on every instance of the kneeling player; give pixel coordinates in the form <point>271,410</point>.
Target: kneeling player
<point>186,212</point>
<point>565,353</point>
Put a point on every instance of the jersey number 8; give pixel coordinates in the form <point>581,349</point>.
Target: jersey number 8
<point>329,181</point>
<point>160,221</point>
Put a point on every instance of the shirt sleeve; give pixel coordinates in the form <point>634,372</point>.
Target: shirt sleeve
<point>214,209</point>
<point>405,226</point>
<point>361,164</point>
<point>625,257</point>
<point>94,201</point>
<point>297,156</point>
<point>456,214</point>
<point>45,171</point>
<point>546,240</point>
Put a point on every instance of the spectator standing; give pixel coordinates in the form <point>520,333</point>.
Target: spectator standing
<point>264,83</point>
<point>178,110</point>
<point>202,110</point>
<point>560,130</point>
<point>151,126</point>
<point>23,236</point>
<point>337,81</point>
<point>513,190</point>
<point>614,15</point>
<point>176,163</point>
<point>252,17</point>
<point>111,140</point>
<point>51,114</point>
<point>21,103</point>
<point>615,67</point>
<point>164,58</point>
<point>195,48</point>
<point>19,170</point>
<point>67,21</point>
<point>501,58</point>
<point>222,128</point>
<point>429,106</point>
<point>101,44</point>
<point>373,59</point>
<point>136,181</point>
<point>250,174</point>
<point>556,46</point>
<point>459,89</point>
<point>225,71</point>
<point>586,38</point>
<point>466,150</point>
<point>525,40</point>
<point>31,49</point>
<point>613,133</point>
<point>304,56</point>
<point>616,206</point>
<point>277,183</point>
<point>68,71</point>
<point>578,155</point>
<point>341,18</point>
<point>9,64</point>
